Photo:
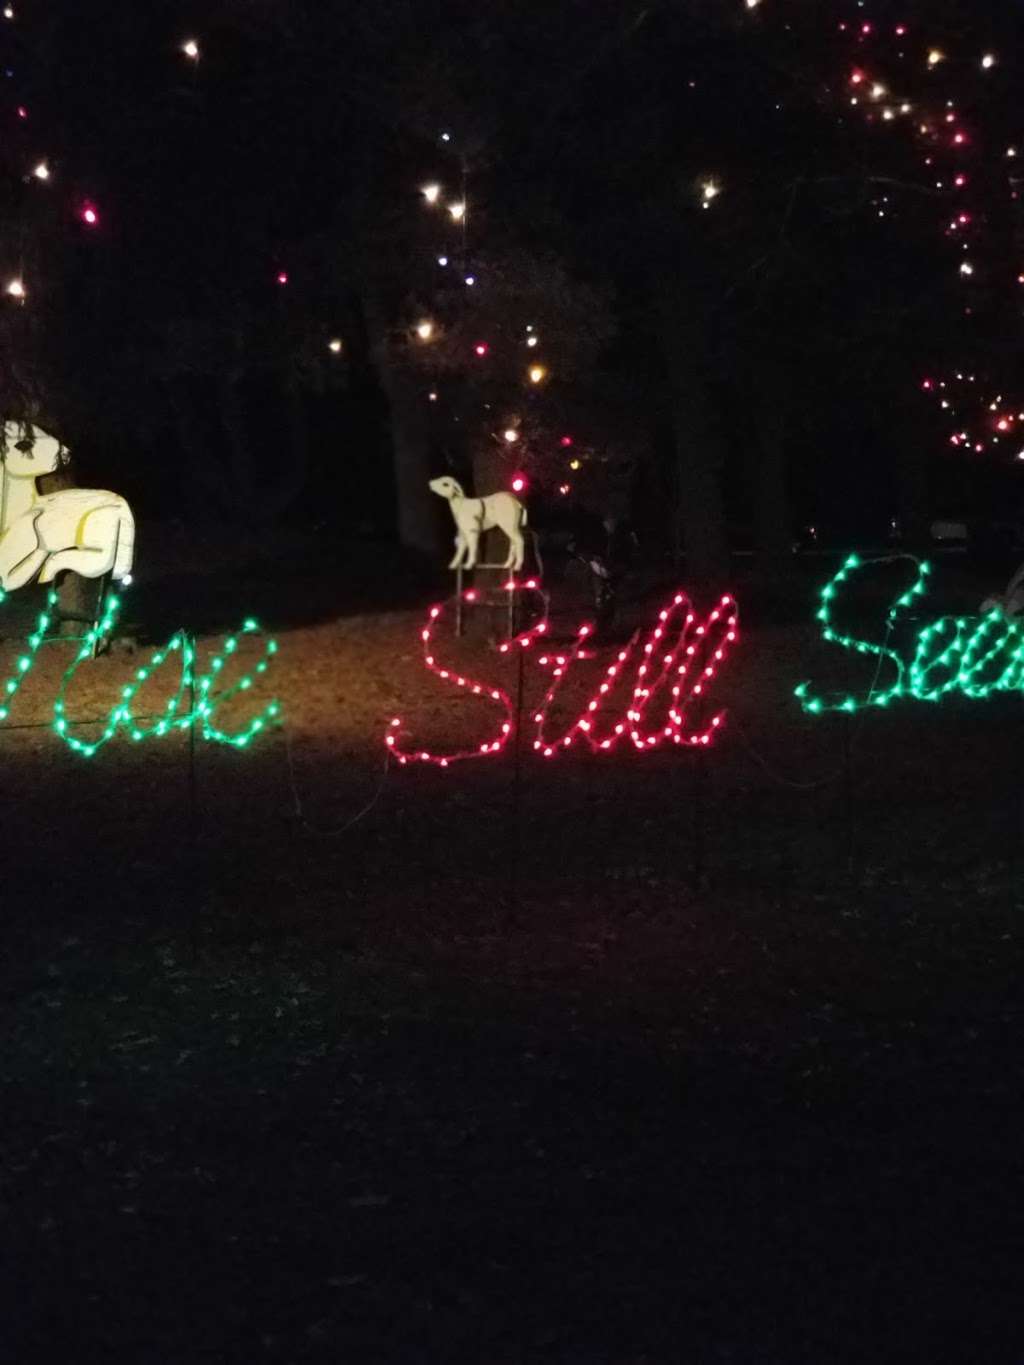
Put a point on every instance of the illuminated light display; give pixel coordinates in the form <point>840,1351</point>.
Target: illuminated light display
<point>982,419</point>
<point>680,658</point>
<point>677,664</point>
<point>973,655</point>
<point>194,704</point>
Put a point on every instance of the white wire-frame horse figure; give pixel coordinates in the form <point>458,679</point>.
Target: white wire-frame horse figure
<point>87,530</point>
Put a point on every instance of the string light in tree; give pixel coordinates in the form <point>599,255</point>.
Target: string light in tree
<point>432,193</point>
<point>537,374</point>
<point>191,49</point>
<point>457,211</point>
<point>16,289</point>
<point>335,345</point>
<point>41,171</point>
<point>980,418</point>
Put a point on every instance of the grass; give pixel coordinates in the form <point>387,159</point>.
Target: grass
<point>634,1061</point>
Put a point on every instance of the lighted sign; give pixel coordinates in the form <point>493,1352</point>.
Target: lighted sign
<point>195,702</point>
<point>972,655</point>
<point>677,664</point>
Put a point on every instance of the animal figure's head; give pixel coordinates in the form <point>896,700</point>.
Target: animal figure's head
<point>30,451</point>
<point>447,487</point>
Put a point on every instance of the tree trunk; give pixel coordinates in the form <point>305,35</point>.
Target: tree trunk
<point>203,486</point>
<point>769,478</point>
<point>281,496</point>
<point>239,453</point>
<point>699,452</point>
<point>418,527</point>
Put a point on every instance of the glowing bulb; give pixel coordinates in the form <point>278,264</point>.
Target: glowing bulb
<point>442,260</point>
<point>471,279</point>
<point>710,190</point>
<point>531,341</point>
<point>8,11</point>
<point>431,193</point>
<point>282,277</point>
<point>563,488</point>
<point>16,289</point>
<point>424,330</point>
<point>191,49</point>
<point>22,111</point>
<point>935,57</point>
<point>511,435</point>
<point>481,348</point>
<point>41,171</point>
<point>518,483</point>
<point>537,374</point>
<point>89,215</point>
<point>877,91</point>
<point>432,396</point>
<point>988,61</point>
<point>753,4</point>
<point>1011,152</point>
<point>574,464</point>
<point>966,268</point>
<point>457,211</point>
<point>334,345</point>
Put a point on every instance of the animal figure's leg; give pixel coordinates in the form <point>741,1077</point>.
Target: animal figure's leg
<point>98,549</point>
<point>517,549</point>
<point>22,554</point>
<point>460,551</point>
<point>472,546</point>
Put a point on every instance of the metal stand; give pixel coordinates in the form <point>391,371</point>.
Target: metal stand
<point>510,593</point>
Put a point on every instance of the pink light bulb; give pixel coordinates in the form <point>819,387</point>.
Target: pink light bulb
<point>518,483</point>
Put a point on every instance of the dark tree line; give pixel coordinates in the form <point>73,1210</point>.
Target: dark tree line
<point>737,354</point>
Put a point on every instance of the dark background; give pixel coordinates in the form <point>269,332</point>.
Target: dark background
<point>756,367</point>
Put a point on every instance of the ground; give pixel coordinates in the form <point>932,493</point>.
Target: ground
<point>650,1059</point>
